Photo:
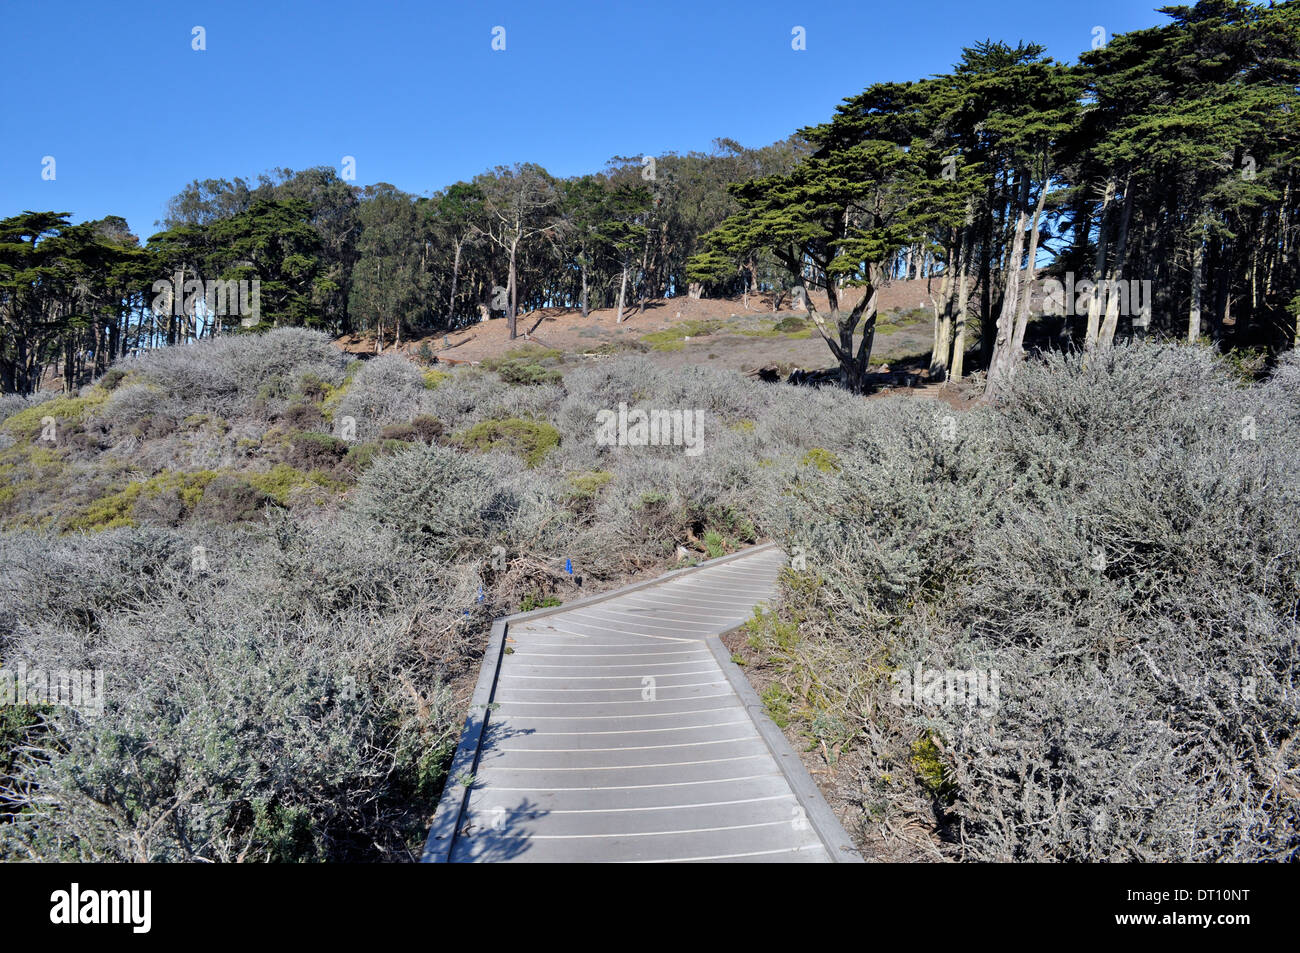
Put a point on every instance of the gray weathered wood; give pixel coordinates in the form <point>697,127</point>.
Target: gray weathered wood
<point>617,729</point>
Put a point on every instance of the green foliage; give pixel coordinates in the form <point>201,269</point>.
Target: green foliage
<point>334,394</point>
<point>26,424</point>
<point>120,508</point>
<point>824,460</point>
<point>525,372</point>
<point>778,703</point>
<point>273,242</point>
<point>587,485</point>
<point>280,482</point>
<point>362,455</point>
<point>535,601</point>
<point>771,635</point>
<point>673,337</point>
<point>434,378</point>
<point>927,762</point>
<point>530,439</point>
<point>527,353</point>
<point>1249,364</point>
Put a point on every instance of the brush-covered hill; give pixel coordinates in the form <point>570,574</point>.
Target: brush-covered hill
<point>284,559</point>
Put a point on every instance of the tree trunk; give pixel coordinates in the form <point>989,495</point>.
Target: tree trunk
<point>963,298</point>
<point>645,278</point>
<point>1022,316</point>
<point>455,276</point>
<point>986,275</point>
<point>622,295</point>
<point>512,290</point>
<point>1106,336</point>
<point>853,367</point>
<point>586,311</point>
<point>751,280</point>
<point>1004,357</point>
<point>943,314</point>
<point>1099,268</point>
<point>1198,290</point>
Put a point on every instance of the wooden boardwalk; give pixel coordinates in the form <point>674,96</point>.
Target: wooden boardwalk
<point>618,729</point>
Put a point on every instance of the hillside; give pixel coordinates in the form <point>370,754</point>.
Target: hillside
<point>723,332</point>
<point>1114,538</point>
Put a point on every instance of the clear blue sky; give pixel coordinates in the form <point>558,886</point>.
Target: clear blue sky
<point>412,89</point>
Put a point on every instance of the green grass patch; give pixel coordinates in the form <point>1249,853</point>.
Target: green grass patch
<point>434,378</point>
<point>334,395</point>
<point>769,634</point>
<point>117,509</point>
<point>530,439</point>
<point>26,424</point>
<point>823,460</point>
<point>528,352</point>
<point>534,601</point>
<point>673,338</point>
<point>281,480</point>
<point>526,372</point>
<point>927,762</point>
<point>587,484</point>
<point>361,455</point>
<point>779,704</point>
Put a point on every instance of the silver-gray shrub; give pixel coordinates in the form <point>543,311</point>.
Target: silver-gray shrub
<point>228,375</point>
<point>450,504</point>
<point>10,404</point>
<point>386,390</point>
<point>287,702</point>
<point>471,396</point>
<point>1110,543</point>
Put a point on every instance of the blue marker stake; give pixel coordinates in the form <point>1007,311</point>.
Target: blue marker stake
<point>568,566</point>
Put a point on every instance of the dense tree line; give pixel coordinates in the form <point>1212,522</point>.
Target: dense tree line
<point>1166,155</point>
<point>347,259</point>
<point>1164,159</point>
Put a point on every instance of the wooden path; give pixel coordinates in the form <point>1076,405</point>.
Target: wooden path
<point>617,728</point>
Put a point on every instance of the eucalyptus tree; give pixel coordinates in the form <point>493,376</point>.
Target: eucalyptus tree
<point>453,220</point>
<point>520,201</point>
<point>388,285</point>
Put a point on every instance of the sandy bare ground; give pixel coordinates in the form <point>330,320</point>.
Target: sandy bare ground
<point>568,331</point>
<point>737,337</point>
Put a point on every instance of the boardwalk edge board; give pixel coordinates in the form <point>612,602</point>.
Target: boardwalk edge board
<point>823,820</point>
<point>455,795</point>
